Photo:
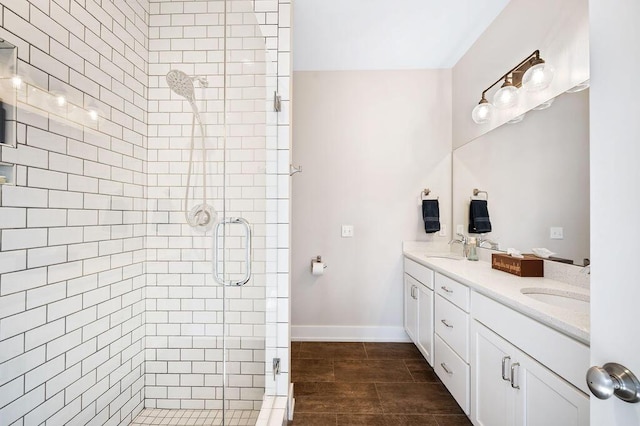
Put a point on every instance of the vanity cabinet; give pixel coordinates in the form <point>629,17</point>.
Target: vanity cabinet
<point>418,307</point>
<point>509,387</point>
<point>502,367</point>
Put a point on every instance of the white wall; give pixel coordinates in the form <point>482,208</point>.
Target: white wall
<point>559,29</point>
<point>537,175</point>
<point>368,142</point>
<point>615,131</point>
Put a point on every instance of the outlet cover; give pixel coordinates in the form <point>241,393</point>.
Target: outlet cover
<point>556,233</point>
<point>347,231</point>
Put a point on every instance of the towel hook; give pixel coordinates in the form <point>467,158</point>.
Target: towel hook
<point>477,192</point>
<point>425,193</point>
<point>293,169</point>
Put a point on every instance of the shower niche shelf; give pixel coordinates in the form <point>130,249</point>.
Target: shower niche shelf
<point>7,174</point>
<point>10,83</point>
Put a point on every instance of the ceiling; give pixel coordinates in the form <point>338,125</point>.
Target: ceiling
<point>387,34</point>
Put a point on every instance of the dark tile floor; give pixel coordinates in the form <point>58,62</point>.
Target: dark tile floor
<point>369,384</point>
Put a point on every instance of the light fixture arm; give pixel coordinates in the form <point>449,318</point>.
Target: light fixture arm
<point>521,68</point>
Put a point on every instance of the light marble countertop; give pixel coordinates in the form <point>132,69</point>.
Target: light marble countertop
<point>505,288</point>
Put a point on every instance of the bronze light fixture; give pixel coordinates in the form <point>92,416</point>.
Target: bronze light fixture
<point>533,73</point>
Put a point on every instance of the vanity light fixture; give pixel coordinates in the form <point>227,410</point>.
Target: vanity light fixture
<point>517,119</point>
<point>579,87</point>
<point>16,81</point>
<point>544,105</point>
<point>61,101</point>
<point>93,114</point>
<point>533,73</point>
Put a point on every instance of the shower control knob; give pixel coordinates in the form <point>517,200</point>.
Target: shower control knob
<point>613,379</point>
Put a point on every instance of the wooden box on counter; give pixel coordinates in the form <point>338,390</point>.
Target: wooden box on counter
<point>528,266</point>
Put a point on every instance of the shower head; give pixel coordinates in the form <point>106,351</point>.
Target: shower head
<point>181,84</point>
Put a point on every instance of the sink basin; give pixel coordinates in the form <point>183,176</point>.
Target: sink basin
<point>444,255</point>
<point>573,301</point>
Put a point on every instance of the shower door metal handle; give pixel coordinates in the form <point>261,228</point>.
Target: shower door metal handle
<point>247,231</point>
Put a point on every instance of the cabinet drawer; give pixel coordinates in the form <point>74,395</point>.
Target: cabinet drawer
<point>419,272</point>
<point>456,293</point>
<point>452,324</point>
<point>456,379</point>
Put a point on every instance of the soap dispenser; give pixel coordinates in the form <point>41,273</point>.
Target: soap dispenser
<point>473,253</point>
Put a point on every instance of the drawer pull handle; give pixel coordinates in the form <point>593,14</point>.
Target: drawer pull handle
<point>504,363</point>
<point>446,323</point>
<point>513,375</point>
<point>445,288</point>
<point>446,369</point>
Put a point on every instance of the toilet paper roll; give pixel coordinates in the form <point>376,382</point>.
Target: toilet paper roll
<point>317,268</point>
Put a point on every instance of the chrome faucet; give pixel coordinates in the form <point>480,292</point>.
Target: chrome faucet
<point>464,241</point>
<point>491,244</point>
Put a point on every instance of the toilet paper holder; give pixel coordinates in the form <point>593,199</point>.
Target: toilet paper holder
<point>317,259</point>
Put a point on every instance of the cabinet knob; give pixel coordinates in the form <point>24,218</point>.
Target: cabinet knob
<point>613,379</point>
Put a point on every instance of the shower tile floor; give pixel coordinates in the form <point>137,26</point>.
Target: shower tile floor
<point>156,416</point>
<point>372,384</point>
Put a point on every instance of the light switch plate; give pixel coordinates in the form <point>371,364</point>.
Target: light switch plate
<point>460,229</point>
<point>443,230</point>
<point>347,231</point>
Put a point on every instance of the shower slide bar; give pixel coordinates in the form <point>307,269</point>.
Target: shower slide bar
<point>247,232</point>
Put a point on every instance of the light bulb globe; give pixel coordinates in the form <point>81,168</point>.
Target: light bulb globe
<point>16,82</point>
<point>482,113</point>
<point>538,77</point>
<point>579,87</point>
<point>506,97</point>
<point>516,119</point>
<point>544,105</point>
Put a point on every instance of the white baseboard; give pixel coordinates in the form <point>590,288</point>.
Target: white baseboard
<point>348,334</point>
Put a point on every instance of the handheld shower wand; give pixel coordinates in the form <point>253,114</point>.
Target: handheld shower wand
<point>201,216</point>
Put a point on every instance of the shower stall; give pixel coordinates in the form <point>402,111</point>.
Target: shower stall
<point>144,210</point>
<point>212,315</point>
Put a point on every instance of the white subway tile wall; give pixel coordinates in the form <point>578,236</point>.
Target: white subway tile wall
<point>107,303</point>
<point>73,226</point>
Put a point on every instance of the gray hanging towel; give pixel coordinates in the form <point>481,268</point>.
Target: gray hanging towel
<point>431,216</point>
<point>479,222</point>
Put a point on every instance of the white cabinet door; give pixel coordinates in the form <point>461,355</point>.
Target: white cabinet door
<point>411,307</point>
<point>546,399</point>
<point>510,388</point>
<point>492,398</point>
<point>425,322</point>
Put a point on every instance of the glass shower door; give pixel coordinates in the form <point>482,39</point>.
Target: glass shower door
<point>244,241</point>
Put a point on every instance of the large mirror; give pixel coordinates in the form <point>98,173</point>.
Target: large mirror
<point>536,176</point>
<point>8,85</point>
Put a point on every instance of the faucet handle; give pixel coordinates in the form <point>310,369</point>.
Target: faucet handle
<point>463,238</point>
